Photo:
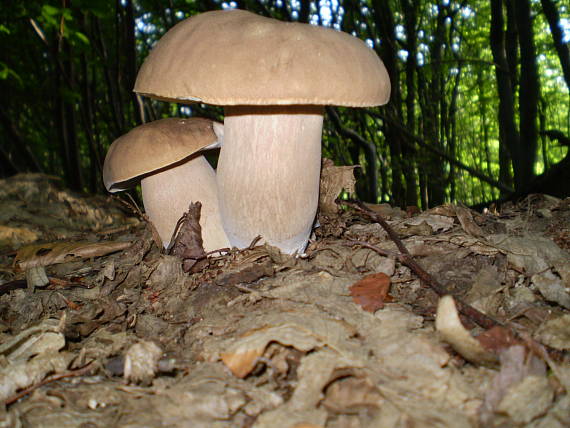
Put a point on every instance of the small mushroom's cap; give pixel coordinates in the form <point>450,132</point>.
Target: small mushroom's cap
<point>234,57</point>
<point>154,146</point>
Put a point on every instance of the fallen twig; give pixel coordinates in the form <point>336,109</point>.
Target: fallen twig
<point>407,259</point>
<point>465,309</point>
<point>72,373</point>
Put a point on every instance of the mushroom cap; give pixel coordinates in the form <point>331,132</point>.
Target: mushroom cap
<point>234,57</point>
<point>154,146</point>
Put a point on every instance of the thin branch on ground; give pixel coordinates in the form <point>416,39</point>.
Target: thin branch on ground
<point>407,259</point>
<point>72,373</point>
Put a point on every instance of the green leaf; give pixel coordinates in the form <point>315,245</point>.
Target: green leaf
<point>6,72</point>
<point>49,10</point>
<point>78,35</point>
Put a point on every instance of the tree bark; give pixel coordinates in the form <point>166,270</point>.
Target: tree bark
<point>508,134</point>
<point>384,21</point>
<point>528,92</point>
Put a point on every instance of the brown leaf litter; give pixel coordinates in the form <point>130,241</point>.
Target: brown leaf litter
<point>256,338</point>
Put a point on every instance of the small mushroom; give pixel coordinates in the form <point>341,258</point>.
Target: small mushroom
<point>274,79</point>
<point>166,156</point>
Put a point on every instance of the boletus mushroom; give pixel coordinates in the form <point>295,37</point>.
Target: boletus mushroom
<point>273,79</point>
<point>166,156</point>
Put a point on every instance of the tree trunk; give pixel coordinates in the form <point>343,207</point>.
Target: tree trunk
<point>410,9</point>
<point>508,135</point>
<point>528,93</point>
<point>384,21</point>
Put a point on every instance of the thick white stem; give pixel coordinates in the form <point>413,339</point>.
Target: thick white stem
<point>167,195</point>
<point>268,174</point>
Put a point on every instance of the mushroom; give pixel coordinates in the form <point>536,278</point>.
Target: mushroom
<point>274,79</point>
<point>166,156</point>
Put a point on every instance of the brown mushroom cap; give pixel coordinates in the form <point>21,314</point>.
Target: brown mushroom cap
<point>234,57</point>
<point>153,146</point>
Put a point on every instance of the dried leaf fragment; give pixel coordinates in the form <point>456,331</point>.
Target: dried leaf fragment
<point>555,332</point>
<point>467,221</point>
<point>527,399</point>
<point>62,252</point>
<point>188,244</point>
<point>371,291</point>
<point>497,339</point>
<point>31,356</point>
<point>333,180</point>
<point>241,363</point>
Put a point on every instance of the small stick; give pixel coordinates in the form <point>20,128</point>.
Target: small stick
<point>483,320</point>
<point>72,373</point>
<point>407,259</point>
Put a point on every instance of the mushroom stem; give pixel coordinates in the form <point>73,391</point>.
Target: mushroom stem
<point>268,174</point>
<point>168,193</point>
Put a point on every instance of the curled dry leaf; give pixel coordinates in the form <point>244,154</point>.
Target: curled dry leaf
<point>334,179</point>
<point>555,332</point>
<point>31,356</point>
<point>468,224</point>
<point>451,330</point>
<point>371,291</point>
<point>242,353</point>
<point>242,362</point>
<point>63,252</point>
<point>188,244</point>
<point>352,395</point>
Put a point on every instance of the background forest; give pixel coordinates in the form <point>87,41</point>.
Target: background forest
<point>480,91</point>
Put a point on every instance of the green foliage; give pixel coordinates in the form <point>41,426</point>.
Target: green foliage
<point>67,69</point>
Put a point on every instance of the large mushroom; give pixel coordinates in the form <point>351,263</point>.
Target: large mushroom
<point>166,156</point>
<point>273,78</point>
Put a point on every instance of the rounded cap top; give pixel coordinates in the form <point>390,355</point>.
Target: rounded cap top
<point>154,146</point>
<point>234,57</point>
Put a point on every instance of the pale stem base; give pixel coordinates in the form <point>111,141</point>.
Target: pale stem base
<point>167,195</point>
<point>268,174</point>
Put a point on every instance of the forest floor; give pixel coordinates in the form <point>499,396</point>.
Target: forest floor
<point>98,328</point>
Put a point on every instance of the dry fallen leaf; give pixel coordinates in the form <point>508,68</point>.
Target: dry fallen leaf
<point>497,338</point>
<point>333,180</point>
<point>188,244</point>
<point>241,363</point>
<point>371,291</point>
<point>555,332</point>
<point>516,389</point>
<point>468,224</point>
<point>62,252</point>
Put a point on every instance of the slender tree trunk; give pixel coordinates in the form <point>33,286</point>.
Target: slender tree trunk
<point>528,92</point>
<point>508,135</point>
<point>130,61</point>
<point>410,9</point>
<point>384,20</point>
<point>452,132</point>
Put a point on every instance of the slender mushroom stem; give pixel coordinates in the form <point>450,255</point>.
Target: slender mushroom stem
<point>268,174</point>
<point>168,193</point>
